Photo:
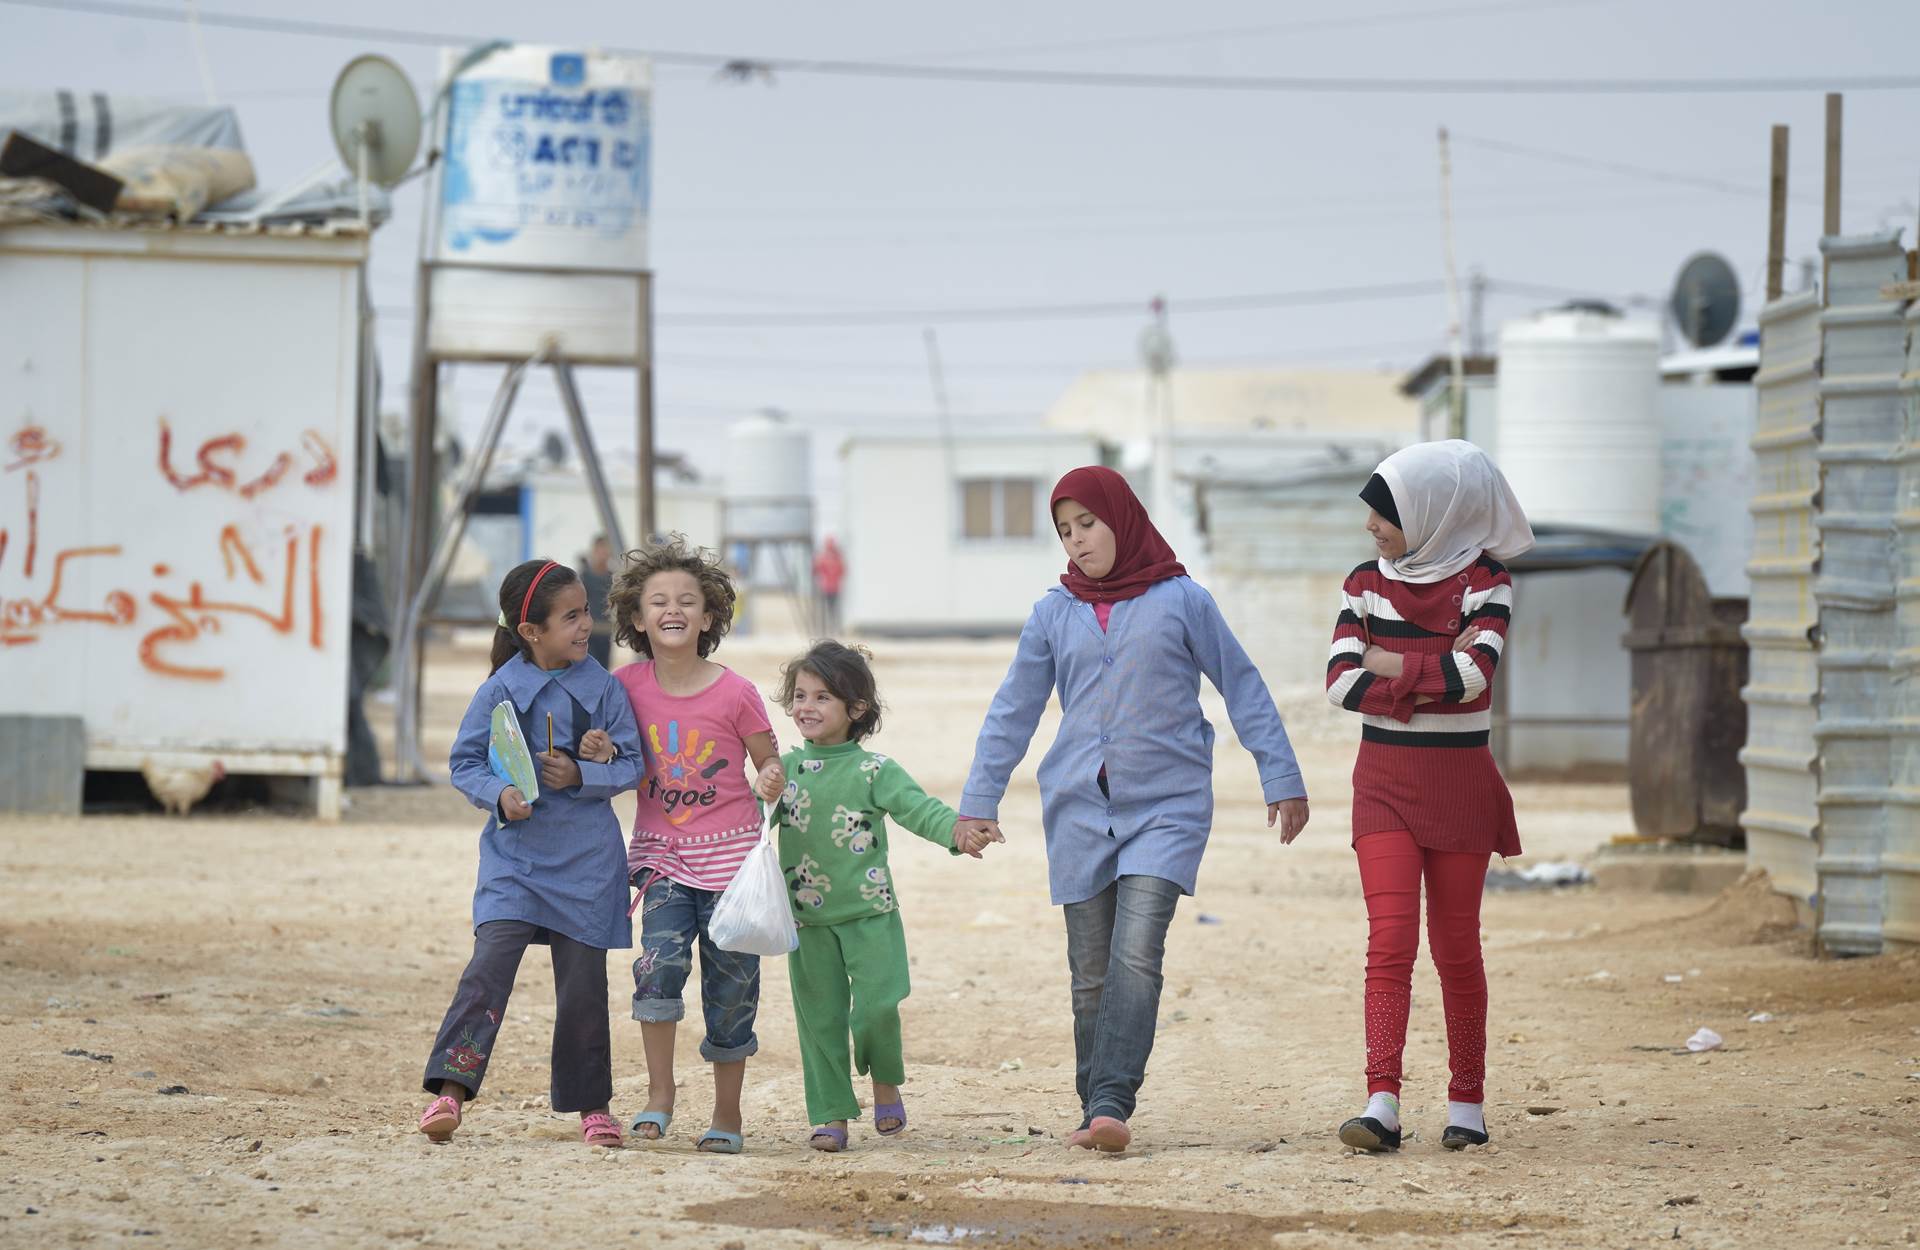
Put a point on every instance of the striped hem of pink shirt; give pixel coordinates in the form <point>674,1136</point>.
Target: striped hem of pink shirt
<point>706,862</point>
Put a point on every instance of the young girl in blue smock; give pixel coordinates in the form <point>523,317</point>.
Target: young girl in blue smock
<point>553,872</point>
<point>1126,792</point>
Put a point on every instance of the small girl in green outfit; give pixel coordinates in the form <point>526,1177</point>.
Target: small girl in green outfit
<point>849,974</point>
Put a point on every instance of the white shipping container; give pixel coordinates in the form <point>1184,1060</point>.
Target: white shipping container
<point>177,493</point>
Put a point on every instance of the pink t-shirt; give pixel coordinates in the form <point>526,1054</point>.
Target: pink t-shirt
<point>698,816</point>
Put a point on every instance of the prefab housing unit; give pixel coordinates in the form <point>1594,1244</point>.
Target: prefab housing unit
<point>178,491</point>
<point>951,537</point>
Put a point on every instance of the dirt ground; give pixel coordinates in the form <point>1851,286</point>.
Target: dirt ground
<point>211,1033</point>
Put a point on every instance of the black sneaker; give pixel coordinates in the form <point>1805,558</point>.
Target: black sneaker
<point>1363,1132</point>
<point>1458,1137</point>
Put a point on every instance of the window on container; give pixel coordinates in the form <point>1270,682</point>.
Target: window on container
<point>1001,507</point>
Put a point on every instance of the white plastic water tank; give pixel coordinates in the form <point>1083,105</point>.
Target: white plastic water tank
<point>1579,419</point>
<point>769,480</point>
<point>545,166</point>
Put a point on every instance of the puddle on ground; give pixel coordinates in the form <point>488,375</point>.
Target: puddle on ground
<point>883,1211</point>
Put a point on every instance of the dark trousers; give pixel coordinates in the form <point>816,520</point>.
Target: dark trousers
<point>582,1041</point>
<point>1115,942</point>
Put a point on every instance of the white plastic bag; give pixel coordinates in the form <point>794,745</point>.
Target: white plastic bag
<point>753,916</point>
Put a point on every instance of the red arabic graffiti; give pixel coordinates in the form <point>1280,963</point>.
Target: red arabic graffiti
<point>184,623</point>
<point>218,459</point>
<point>189,617</point>
<point>31,445</point>
<point>196,614</point>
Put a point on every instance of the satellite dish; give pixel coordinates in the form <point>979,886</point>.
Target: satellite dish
<point>1706,299</point>
<point>376,120</point>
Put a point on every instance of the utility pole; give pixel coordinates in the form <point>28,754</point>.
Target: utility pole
<point>1156,353</point>
<point>937,375</point>
<point>1456,392</point>
<point>1830,223</point>
<point>1777,214</point>
<point>1476,312</point>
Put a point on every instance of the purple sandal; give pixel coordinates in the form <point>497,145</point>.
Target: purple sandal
<point>890,1111</point>
<point>828,1139</point>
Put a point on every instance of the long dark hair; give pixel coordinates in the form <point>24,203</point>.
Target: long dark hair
<point>844,671</point>
<point>507,641</point>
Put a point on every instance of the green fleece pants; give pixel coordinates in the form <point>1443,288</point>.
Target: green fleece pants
<point>848,981</point>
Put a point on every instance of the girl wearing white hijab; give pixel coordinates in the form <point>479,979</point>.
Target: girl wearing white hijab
<point>1420,633</point>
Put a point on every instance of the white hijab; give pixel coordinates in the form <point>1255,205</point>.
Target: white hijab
<point>1454,504</point>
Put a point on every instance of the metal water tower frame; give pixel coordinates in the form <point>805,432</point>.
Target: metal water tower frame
<point>428,551</point>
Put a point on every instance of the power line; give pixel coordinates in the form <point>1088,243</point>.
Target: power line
<point>746,68</point>
<point>1085,310</point>
<point>1060,312</point>
<point>1745,190</point>
<point>1306,26</point>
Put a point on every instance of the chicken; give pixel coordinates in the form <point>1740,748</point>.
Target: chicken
<point>180,786</point>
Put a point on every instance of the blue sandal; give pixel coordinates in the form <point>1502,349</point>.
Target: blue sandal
<point>720,1142</point>
<point>659,1119</point>
<point>890,1111</point>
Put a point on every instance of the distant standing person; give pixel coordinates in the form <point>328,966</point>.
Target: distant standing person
<point>829,571</point>
<point>1420,632</point>
<point>596,574</point>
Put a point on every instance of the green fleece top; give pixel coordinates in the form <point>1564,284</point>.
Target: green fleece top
<point>833,830</point>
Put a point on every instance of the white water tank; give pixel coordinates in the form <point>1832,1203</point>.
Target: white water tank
<point>1579,419</point>
<point>769,480</point>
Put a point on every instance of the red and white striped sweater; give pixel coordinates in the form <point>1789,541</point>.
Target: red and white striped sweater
<point>1424,766</point>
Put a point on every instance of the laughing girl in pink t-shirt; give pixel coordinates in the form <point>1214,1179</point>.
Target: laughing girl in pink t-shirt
<point>701,723</point>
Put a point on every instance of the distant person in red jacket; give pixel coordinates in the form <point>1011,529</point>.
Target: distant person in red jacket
<point>829,571</point>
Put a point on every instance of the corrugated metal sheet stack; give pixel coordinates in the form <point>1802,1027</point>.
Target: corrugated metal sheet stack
<point>1782,820</point>
<point>1900,863</point>
<point>1862,437</point>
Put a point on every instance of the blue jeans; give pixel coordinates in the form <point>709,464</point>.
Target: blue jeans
<point>1115,943</point>
<point>673,917</point>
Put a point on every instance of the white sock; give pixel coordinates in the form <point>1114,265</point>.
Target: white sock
<point>1466,1115</point>
<point>1386,1109</point>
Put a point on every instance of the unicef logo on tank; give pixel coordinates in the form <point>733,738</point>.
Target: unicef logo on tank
<point>547,159</point>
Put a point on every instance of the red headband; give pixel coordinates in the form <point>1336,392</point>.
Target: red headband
<point>534,585</point>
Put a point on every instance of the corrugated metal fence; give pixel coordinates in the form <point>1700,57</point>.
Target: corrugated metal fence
<point>1862,435</point>
<point>1782,819</point>
<point>1833,761</point>
<point>1900,863</point>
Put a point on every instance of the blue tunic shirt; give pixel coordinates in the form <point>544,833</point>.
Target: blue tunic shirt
<point>563,868</point>
<point>1129,700</point>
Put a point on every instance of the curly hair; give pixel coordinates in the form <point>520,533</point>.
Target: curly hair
<point>672,555</point>
<point>848,677</point>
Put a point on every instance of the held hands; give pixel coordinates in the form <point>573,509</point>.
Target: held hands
<point>558,771</point>
<point>970,837</point>
<point>771,781</point>
<point>1292,815</point>
<point>513,804</point>
<point>597,746</point>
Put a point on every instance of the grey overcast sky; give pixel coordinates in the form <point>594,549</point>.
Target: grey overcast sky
<point>823,193</point>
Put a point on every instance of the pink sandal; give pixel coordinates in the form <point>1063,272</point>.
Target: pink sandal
<point>441,1117</point>
<point>601,1129</point>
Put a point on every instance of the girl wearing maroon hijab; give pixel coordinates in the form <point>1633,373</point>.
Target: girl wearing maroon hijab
<point>1126,791</point>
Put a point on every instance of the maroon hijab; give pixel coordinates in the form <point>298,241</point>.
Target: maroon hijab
<point>1140,557</point>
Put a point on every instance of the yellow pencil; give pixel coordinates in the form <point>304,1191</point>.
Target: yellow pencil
<point>549,733</point>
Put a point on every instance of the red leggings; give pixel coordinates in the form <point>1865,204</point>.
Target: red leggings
<point>1391,867</point>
